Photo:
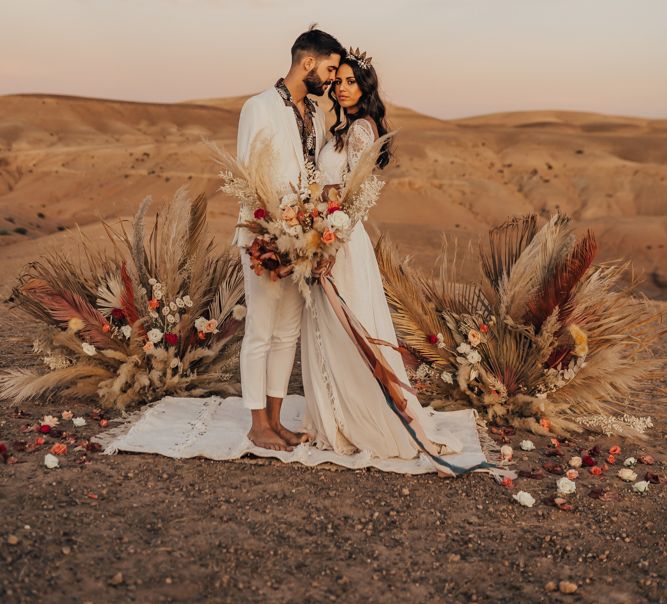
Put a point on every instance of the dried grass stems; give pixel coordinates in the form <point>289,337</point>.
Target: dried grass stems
<point>156,316</point>
<point>542,339</point>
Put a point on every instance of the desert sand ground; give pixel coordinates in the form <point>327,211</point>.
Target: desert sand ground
<point>135,528</point>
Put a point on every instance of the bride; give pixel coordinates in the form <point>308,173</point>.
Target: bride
<point>346,409</point>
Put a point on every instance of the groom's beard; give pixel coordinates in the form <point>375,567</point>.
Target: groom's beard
<point>314,84</point>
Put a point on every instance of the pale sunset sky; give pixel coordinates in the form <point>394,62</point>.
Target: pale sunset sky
<point>447,58</point>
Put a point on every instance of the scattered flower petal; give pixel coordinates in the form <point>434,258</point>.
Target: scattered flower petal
<point>527,445</point>
<point>525,499</point>
<point>51,461</point>
<point>627,474</point>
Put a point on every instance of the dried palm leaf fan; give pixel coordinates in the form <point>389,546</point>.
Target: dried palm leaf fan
<point>155,317</point>
<point>544,341</point>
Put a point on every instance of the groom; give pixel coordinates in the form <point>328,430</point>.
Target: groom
<point>295,127</point>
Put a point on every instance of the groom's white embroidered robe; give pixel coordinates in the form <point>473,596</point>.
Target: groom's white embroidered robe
<point>273,320</point>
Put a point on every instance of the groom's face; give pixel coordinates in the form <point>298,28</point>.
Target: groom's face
<point>321,73</point>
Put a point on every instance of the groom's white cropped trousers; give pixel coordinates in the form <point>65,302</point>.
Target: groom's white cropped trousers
<point>272,328</point>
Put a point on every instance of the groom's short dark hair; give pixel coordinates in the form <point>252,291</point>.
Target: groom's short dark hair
<point>317,42</point>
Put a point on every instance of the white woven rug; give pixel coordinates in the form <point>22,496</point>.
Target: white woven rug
<point>216,428</point>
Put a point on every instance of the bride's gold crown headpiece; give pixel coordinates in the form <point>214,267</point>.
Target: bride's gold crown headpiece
<point>359,57</point>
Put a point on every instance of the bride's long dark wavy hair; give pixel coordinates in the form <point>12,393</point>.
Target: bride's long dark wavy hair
<point>370,105</point>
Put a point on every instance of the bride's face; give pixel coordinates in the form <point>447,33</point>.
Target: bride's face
<point>346,88</point>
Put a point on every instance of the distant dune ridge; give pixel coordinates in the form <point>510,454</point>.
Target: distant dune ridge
<point>70,160</point>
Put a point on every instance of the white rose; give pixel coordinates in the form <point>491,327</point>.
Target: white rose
<point>627,474</point>
<point>524,498</point>
<point>51,461</point>
<point>527,445</point>
<point>79,421</point>
<point>463,348</point>
<point>239,312</point>
<point>629,462</point>
<point>641,486</point>
<point>89,349</point>
<point>338,221</point>
<point>288,200</point>
<point>506,453</point>
<point>575,462</point>
<point>154,335</point>
<point>566,486</point>
<point>200,323</point>
<point>446,377</point>
<point>126,330</point>
<point>473,357</point>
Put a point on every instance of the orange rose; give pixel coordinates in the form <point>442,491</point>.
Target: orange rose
<point>59,449</point>
<point>611,459</point>
<point>202,335</point>
<point>596,470</point>
<point>328,237</point>
<point>104,423</point>
<point>615,450</point>
<point>39,441</point>
<point>106,328</point>
<point>572,474</point>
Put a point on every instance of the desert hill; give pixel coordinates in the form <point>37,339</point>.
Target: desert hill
<point>67,161</point>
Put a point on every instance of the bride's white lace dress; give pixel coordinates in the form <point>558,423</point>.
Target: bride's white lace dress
<point>345,408</point>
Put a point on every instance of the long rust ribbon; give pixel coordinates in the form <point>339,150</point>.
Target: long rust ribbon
<point>392,386</point>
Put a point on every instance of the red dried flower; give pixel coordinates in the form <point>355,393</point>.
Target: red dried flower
<point>259,214</point>
<point>171,339</point>
<point>433,339</point>
<point>118,314</point>
<point>587,460</point>
<point>45,428</point>
<point>484,328</point>
<point>3,448</point>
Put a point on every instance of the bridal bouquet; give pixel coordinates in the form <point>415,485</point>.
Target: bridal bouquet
<point>161,319</point>
<point>296,231</point>
<point>544,341</point>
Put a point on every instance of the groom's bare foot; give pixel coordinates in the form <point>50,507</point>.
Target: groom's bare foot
<point>291,438</point>
<point>267,438</point>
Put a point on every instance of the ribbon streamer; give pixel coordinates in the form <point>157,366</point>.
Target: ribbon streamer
<point>392,387</point>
